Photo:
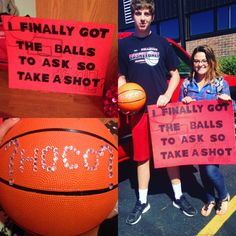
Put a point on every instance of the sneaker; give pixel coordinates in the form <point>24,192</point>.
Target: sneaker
<point>185,206</point>
<point>135,216</point>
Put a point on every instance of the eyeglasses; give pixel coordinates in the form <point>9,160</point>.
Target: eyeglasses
<point>197,62</point>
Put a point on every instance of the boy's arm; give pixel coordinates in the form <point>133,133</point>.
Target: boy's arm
<point>121,80</point>
<point>174,81</point>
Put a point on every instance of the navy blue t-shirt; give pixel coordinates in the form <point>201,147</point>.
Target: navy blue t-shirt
<point>147,61</point>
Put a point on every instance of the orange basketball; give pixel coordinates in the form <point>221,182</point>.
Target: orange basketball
<point>131,97</point>
<point>58,176</point>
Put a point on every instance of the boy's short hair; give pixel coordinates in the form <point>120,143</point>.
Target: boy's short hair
<point>142,4</point>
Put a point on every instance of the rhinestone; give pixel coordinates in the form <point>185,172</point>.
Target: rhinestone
<point>65,160</point>
<point>76,166</point>
<point>110,186</point>
<point>11,181</point>
<point>44,152</point>
<point>7,146</point>
<point>101,153</point>
<point>36,150</point>
<point>64,155</point>
<point>85,155</point>
<point>56,154</point>
<point>66,164</point>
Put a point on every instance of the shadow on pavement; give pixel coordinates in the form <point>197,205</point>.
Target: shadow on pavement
<point>160,183</point>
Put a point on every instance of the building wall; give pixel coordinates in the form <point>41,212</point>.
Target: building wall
<point>224,45</point>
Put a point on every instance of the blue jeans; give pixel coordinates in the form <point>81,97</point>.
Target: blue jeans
<point>212,180</point>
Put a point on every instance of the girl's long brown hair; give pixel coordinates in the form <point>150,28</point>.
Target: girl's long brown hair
<point>214,69</point>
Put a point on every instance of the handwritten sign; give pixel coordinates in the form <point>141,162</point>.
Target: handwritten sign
<point>56,55</point>
<point>198,133</point>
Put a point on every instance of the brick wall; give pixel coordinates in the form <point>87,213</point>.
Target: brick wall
<point>224,45</point>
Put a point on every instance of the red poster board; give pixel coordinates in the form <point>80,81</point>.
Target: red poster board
<point>56,55</point>
<point>198,133</point>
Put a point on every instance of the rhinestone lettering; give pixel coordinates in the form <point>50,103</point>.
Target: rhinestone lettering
<point>52,153</point>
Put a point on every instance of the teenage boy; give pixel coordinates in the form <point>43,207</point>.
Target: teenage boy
<point>148,59</point>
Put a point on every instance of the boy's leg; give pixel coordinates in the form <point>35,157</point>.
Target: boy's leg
<point>143,172</point>
<point>142,152</point>
<point>180,200</point>
<point>174,175</point>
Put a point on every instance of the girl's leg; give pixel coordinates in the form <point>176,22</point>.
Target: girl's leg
<point>215,180</point>
<point>207,183</point>
<point>209,190</point>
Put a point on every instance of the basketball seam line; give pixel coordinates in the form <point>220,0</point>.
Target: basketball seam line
<point>130,90</point>
<point>133,101</point>
<point>59,129</point>
<point>70,193</point>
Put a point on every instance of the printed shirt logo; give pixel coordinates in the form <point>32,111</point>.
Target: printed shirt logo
<point>149,56</point>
